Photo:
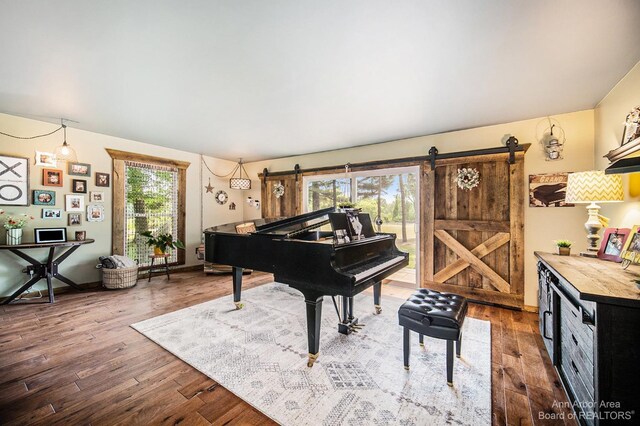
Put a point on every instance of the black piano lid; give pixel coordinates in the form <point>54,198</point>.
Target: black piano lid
<point>277,226</point>
<point>295,224</point>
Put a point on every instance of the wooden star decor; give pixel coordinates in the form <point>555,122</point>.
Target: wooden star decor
<point>209,188</point>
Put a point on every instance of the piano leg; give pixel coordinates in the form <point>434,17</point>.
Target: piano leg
<point>237,286</point>
<point>351,309</point>
<point>377,289</point>
<point>314,319</point>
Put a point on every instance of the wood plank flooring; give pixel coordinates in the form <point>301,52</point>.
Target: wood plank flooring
<point>78,361</point>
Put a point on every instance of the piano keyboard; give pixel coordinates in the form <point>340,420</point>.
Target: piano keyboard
<point>368,270</point>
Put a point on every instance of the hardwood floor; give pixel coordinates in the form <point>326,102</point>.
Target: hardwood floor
<point>79,362</point>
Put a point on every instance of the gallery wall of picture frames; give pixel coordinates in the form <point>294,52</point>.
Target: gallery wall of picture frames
<point>15,188</point>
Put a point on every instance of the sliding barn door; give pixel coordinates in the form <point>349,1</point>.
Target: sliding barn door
<point>288,204</point>
<point>472,242</point>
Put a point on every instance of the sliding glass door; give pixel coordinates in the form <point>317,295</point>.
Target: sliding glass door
<point>390,196</point>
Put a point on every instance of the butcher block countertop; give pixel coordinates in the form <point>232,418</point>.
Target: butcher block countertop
<point>597,280</point>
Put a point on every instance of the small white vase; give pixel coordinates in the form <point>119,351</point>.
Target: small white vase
<point>14,237</point>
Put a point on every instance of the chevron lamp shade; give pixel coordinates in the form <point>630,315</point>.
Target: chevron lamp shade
<point>594,186</point>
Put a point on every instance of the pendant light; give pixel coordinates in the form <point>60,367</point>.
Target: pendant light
<point>64,152</point>
<point>239,182</point>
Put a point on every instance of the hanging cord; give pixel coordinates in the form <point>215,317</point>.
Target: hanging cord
<point>216,175</point>
<point>36,136</point>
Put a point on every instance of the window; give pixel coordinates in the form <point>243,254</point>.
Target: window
<point>323,193</point>
<point>148,194</point>
<point>151,194</point>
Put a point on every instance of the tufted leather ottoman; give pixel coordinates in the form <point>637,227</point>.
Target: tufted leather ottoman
<point>434,314</point>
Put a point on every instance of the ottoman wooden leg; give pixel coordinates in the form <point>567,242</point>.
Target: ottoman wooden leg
<point>407,348</point>
<point>458,345</point>
<point>450,362</point>
<point>422,340</point>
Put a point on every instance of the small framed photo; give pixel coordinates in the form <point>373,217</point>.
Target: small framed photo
<point>52,177</point>
<point>44,197</point>
<point>96,197</point>
<point>631,249</point>
<point>81,235</point>
<point>612,244</point>
<point>74,219</point>
<point>103,179</point>
<point>74,203</point>
<point>79,186</point>
<point>14,181</point>
<point>79,169</point>
<point>47,159</point>
<point>95,213</point>
<point>51,213</point>
<point>50,235</point>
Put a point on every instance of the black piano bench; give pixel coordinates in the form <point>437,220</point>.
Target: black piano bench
<point>434,314</point>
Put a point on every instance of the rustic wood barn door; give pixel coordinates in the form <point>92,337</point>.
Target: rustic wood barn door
<point>472,240</point>
<point>289,203</point>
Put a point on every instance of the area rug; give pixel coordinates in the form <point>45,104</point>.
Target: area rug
<point>260,354</point>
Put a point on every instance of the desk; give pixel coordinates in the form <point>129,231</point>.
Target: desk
<point>46,270</point>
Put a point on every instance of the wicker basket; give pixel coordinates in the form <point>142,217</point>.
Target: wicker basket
<point>119,278</point>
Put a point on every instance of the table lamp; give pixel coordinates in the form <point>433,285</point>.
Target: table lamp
<point>594,187</point>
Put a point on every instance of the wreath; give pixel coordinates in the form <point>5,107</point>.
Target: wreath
<point>468,178</point>
<point>278,190</point>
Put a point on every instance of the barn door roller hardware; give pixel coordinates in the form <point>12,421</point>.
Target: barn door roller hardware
<point>296,170</point>
<point>512,144</point>
<point>265,173</point>
<point>433,152</point>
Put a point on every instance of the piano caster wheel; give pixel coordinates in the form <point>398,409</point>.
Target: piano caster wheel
<point>312,359</point>
<point>378,310</point>
<point>239,305</point>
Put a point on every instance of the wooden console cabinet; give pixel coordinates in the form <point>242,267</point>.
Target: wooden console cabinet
<point>590,324</point>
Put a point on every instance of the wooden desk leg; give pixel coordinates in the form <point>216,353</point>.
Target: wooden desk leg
<point>151,269</point>
<point>166,267</point>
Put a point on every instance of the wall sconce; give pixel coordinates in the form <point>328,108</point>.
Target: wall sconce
<point>253,203</point>
<point>552,141</point>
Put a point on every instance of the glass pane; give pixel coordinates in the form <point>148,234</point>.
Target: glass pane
<point>392,199</point>
<point>328,193</point>
<point>151,205</point>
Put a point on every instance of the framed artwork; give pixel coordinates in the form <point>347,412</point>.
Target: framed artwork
<point>79,169</point>
<point>74,219</point>
<point>44,198</point>
<point>81,235</point>
<point>548,190</point>
<point>50,235</point>
<point>47,159</point>
<point>74,203</point>
<point>631,126</point>
<point>14,181</point>
<point>612,244</point>
<point>95,213</point>
<point>79,186</point>
<point>631,249</point>
<point>96,197</point>
<point>103,179</point>
<point>51,213</point>
<point>52,177</point>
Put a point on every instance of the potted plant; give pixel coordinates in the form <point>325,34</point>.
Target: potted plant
<point>564,247</point>
<point>14,226</point>
<point>162,242</point>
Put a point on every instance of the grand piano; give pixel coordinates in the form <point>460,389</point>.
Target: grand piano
<point>311,260</point>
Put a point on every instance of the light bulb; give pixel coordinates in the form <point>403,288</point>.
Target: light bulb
<point>65,149</point>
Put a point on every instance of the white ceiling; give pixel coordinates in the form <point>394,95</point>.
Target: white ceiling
<point>264,79</point>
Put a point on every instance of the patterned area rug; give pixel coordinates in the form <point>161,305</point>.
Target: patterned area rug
<point>260,354</point>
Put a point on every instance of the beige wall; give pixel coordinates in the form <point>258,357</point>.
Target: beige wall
<point>90,148</point>
<point>542,225</point>
<point>609,118</point>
